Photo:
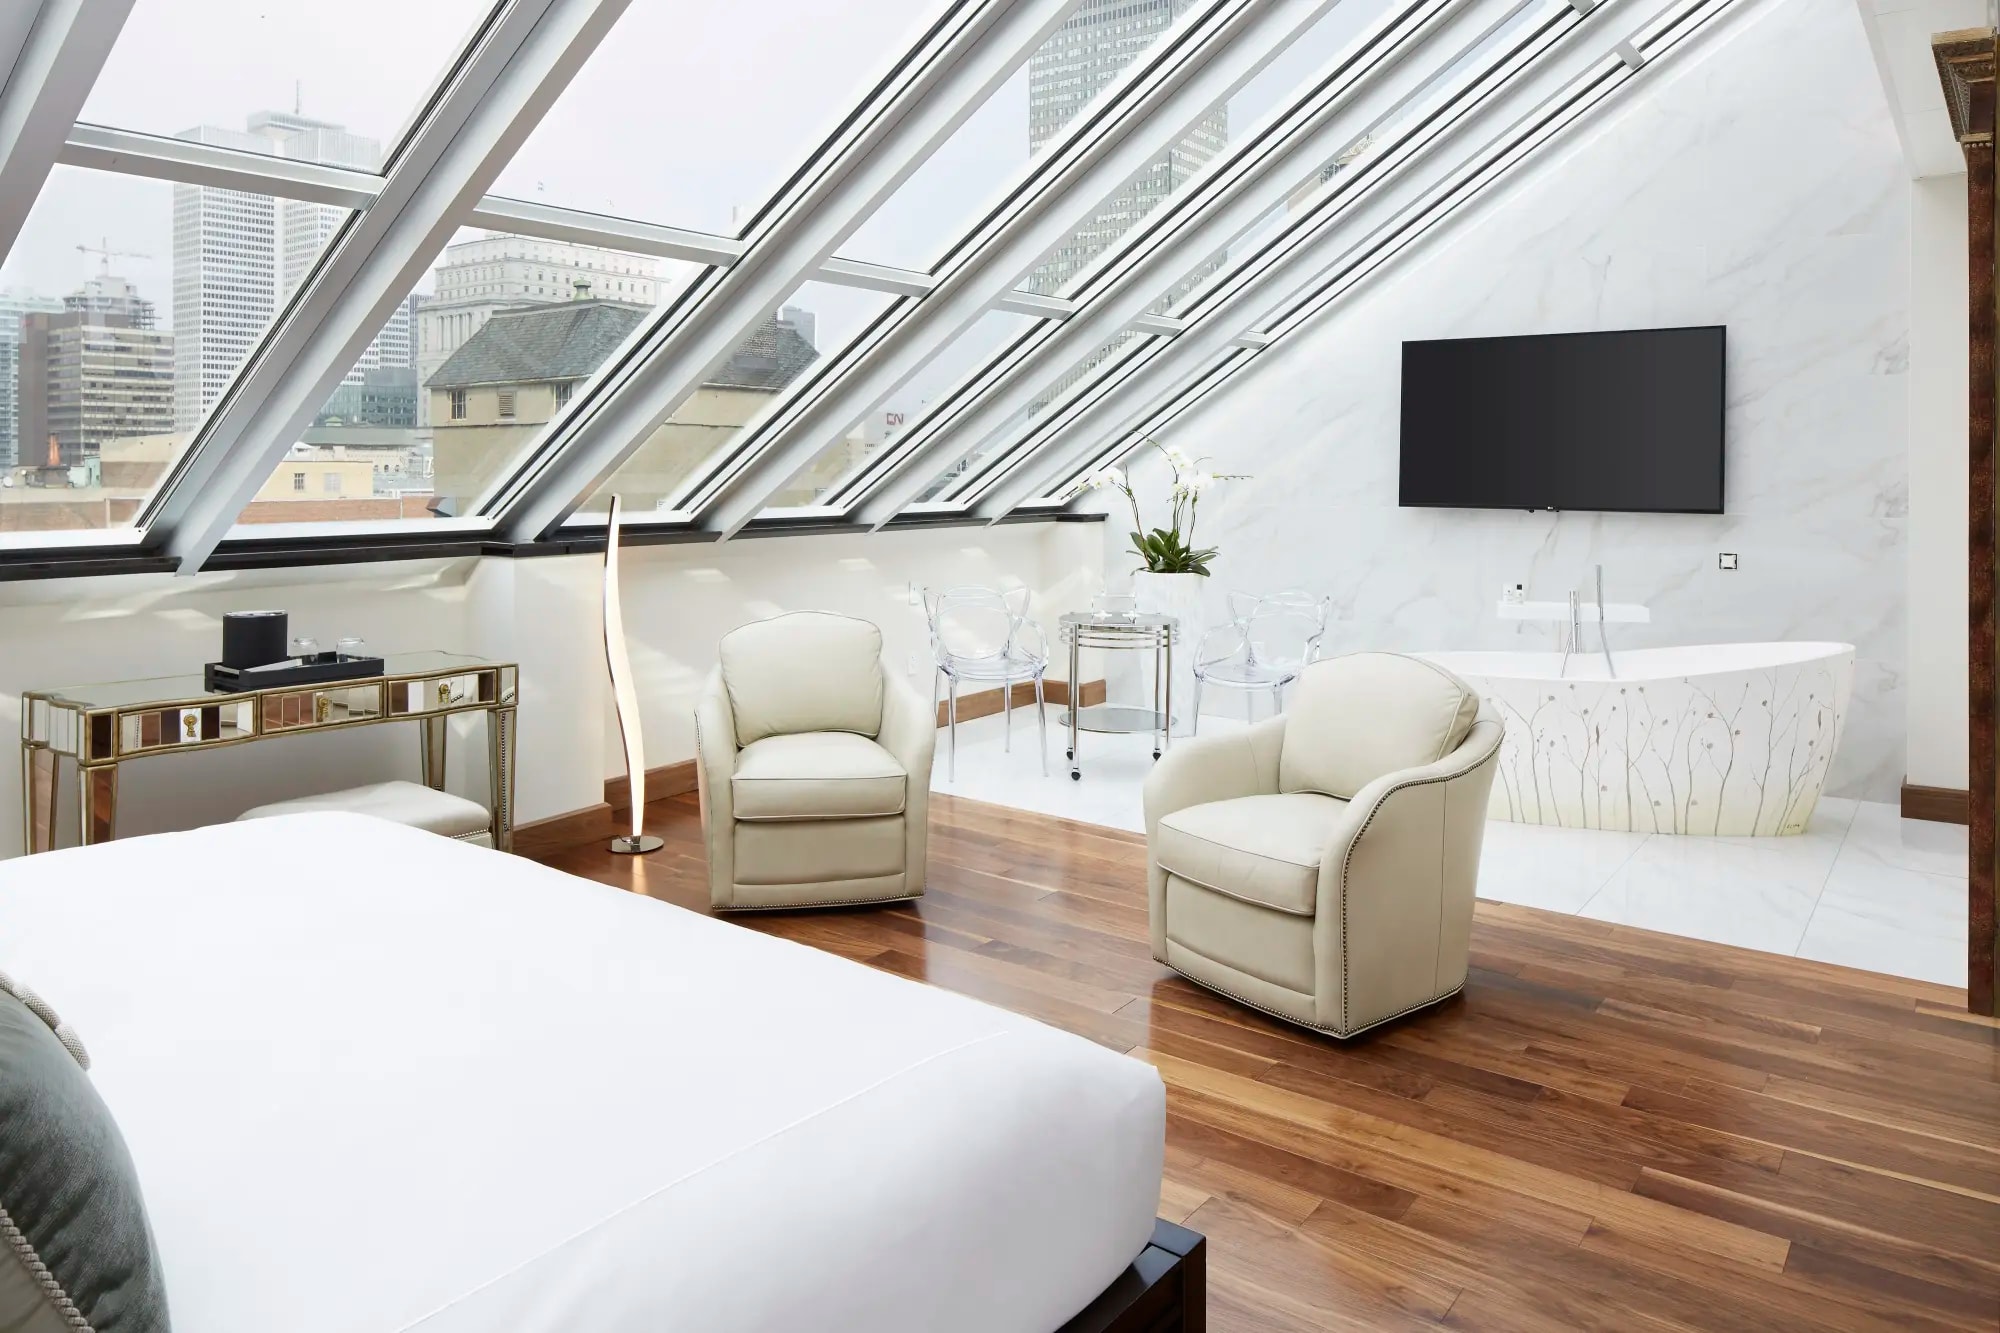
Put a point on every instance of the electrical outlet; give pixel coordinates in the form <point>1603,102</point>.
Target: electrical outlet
<point>916,599</point>
<point>1726,560</point>
<point>914,665</point>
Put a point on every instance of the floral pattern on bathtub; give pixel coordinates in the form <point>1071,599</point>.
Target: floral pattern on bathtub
<point>1733,754</point>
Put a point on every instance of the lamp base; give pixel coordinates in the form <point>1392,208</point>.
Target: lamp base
<point>645,842</point>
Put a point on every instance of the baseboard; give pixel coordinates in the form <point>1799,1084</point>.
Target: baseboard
<point>607,818</point>
<point>1942,805</point>
<point>666,780</point>
<point>986,703</point>
<point>561,832</point>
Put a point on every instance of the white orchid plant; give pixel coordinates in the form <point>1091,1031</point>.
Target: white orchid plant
<point>1168,550</point>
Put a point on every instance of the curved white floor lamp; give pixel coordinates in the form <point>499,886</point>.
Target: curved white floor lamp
<point>624,696</point>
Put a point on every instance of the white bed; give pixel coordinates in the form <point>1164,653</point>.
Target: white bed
<point>376,1080</point>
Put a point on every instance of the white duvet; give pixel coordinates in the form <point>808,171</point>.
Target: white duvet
<point>376,1080</point>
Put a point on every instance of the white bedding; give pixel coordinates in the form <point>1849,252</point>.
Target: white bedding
<point>376,1080</point>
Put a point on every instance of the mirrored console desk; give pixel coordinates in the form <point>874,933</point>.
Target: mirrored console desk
<point>98,728</point>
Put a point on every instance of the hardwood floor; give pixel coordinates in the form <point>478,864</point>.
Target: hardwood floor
<point>1609,1129</point>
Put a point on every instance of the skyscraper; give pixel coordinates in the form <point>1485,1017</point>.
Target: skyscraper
<point>1071,68</point>
<point>239,256</point>
<point>93,372</point>
<point>13,305</point>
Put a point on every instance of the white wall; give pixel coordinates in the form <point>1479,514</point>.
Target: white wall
<point>544,613</point>
<point>63,632</point>
<point>680,599</point>
<point>1936,712</point>
<point>1758,186</point>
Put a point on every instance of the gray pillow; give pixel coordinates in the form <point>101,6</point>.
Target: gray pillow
<point>76,1253</point>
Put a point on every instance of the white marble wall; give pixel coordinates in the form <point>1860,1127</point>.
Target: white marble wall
<point>1759,186</point>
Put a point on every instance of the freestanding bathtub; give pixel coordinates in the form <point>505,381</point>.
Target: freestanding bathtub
<point>1731,739</point>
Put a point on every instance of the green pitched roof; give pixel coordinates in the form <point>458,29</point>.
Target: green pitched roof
<point>571,339</point>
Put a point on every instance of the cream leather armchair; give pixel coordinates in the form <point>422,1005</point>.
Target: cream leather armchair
<point>1321,866</point>
<point>814,767</point>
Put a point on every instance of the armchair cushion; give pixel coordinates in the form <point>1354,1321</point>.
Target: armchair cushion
<point>817,775</point>
<point>1357,717</point>
<point>803,671</point>
<point>1261,849</point>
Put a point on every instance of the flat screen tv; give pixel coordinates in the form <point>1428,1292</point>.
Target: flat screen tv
<point>1627,421</point>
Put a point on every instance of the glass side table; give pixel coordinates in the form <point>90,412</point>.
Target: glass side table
<point>99,728</point>
<point>1121,632</point>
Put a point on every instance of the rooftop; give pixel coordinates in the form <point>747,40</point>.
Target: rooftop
<point>569,340</point>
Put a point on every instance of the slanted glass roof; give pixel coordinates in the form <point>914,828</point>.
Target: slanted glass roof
<point>474,265</point>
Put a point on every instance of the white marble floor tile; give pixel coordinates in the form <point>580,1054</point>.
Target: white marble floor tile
<point>1721,889</point>
<point>1555,869</point>
<point>1114,767</point>
<point>1861,887</point>
<point>1887,919</point>
<point>1881,836</point>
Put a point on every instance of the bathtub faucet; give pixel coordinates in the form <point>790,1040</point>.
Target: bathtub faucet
<point>1573,641</point>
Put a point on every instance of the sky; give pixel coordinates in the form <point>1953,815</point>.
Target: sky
<point>690,113</point>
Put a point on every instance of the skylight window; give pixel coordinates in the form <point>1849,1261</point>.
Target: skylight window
<point>693,113</point>
<point>329,83</point>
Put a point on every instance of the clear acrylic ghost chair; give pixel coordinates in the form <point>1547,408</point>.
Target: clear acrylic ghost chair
<point>1267,641</point>
<point>983,634</point>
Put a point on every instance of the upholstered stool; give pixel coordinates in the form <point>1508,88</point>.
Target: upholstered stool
<point>409,803</point>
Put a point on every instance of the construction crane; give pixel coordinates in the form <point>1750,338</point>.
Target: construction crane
<point>105,254</point>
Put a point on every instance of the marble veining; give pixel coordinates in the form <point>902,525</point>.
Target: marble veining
<point>1759,186</point>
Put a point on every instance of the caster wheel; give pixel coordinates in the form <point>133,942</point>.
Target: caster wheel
<point>1156,754</point>
<point>1069,754</point>
<point>1075,776</point>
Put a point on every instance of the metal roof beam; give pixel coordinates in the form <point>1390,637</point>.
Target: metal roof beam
<point>1156,101</point>
<point>50,55</point>
<point>968,54</point>
<point>1372,77</point>
<point>1254,295</point>
<point>505,80</point>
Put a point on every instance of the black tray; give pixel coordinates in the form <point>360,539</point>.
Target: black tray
<point>315,670</point>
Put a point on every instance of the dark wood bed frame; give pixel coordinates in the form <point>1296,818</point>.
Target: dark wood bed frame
<point>1164,1291</point>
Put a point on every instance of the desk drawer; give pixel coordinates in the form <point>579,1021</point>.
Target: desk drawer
<point>322,706</point>
<point>147,730</point>
<point>442,694</point>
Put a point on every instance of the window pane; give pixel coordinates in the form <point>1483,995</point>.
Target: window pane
<point>975,466</point>
<point>921,221</point>
<point>126,308</point>
<point>914,228</point>
<point>727,100</point>
<point>465,371</point>
<point>1446,86</point>
<point>839,462</point>
<point>817,321</point>
<point>351,74</point>
<point>1211,374</point>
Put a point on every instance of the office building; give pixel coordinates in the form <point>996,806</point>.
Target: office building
<point>239,256</point>
<point>13,305</point>
<point>1071,68</point>
<point>95,371</point>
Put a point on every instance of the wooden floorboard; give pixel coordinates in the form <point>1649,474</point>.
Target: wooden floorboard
<point>1610,1128</point>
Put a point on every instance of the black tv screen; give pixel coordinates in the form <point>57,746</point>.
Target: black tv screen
<point>1628,421</point>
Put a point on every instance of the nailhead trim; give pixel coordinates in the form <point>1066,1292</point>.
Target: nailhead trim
<point>819,902</point>
<point>24,1250</point>
<point>1314,1027</point>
